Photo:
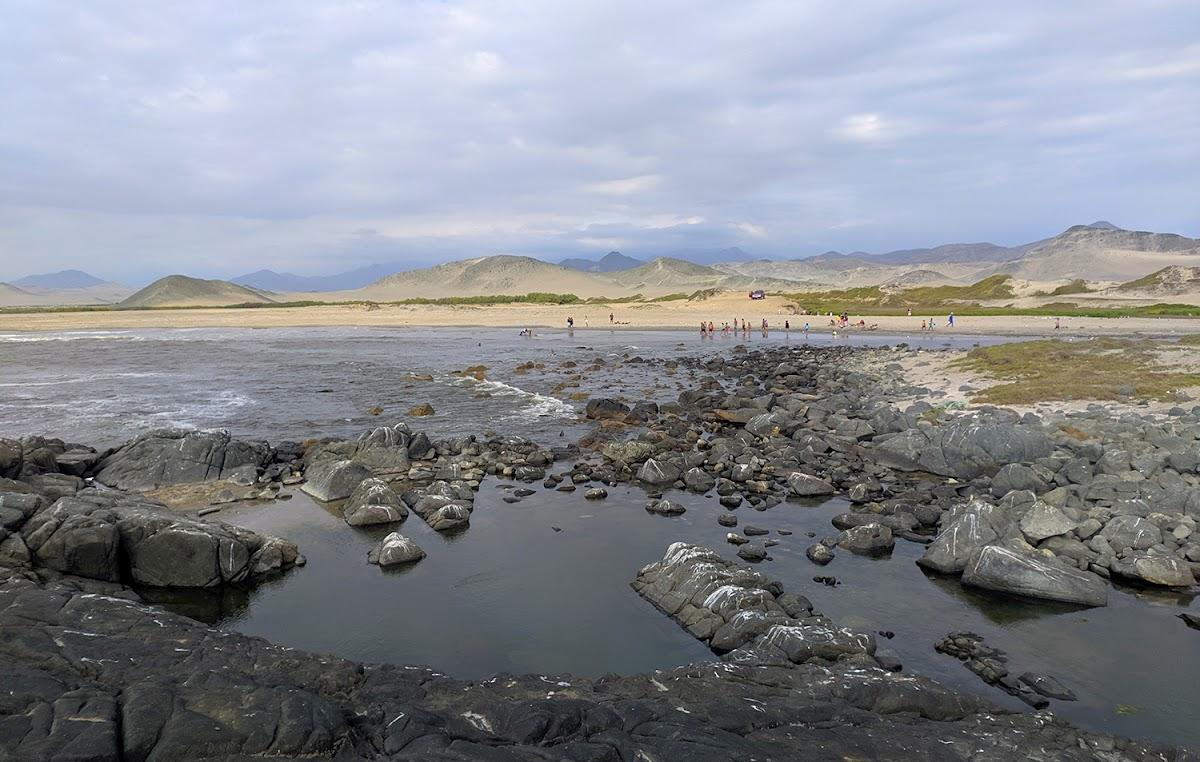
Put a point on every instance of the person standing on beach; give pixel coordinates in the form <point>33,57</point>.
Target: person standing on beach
<point>610,318</point>
<point>950,320</point>
<point>806,331</point>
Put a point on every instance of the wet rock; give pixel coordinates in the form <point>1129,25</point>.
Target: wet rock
<point>176,456</point>
<point>395,549</point>
<point>965,532</point>
<point>801,484</point>
<point>421,410</point>
<point>1047,686</point>
<point>753,531</point>
<point>1043,521</point>
<point>733,608</point>
<point>665,507</point>
<point>658,472</point>
<point>698,480</point>
<point>604,409</point>
<point>963,449</point>
<point>819,554</point>
<point>1131,532</point>
<point>115,537</point>
<point>596,493</point>
<point>751,552</point>
<point>1008,571</point>
<point>373,502</point>
<point>1167,571</point>
<point>867,540</point>
<point>331,479</point>
<point>727,520</point>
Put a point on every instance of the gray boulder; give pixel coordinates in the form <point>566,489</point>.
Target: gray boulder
<point>373,502</point>
<point>113,537</point>
<point>1016,476</point>
<point>1005,570</point>
<point>1043,521</point>
<point>964,449</point>
<point>1166,571</point>
<point>604,409</point>
<point>395,549</point>
<point>819,554</point>
<point>665,507</point>
<point>1131,532</point>
<point>698,480</point>
<point>443,514</point>
<point>801,484</point>
<point>10,458</point>
<point>384,451</point>
<point>658,472</point>
<point>966,530</point>
<point>75,537</point>
<point>332,479</point>
<point>177,456</point>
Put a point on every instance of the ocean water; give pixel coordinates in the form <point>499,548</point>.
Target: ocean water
<point>104,387</point>
<point>542,585</point>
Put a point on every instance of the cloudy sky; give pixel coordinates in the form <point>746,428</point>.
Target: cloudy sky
<point>142,138</point>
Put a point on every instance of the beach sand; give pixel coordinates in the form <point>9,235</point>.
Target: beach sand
<point>660,315</point>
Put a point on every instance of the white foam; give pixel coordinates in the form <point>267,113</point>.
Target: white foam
<point>537,404</point>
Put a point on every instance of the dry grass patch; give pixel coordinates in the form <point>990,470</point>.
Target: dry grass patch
<point>1051,369</point>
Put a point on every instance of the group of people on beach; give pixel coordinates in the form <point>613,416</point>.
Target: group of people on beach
<point>710,329</point>
<point>932,324</point>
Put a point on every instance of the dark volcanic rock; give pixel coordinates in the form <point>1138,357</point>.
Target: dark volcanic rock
<point>103,536</point>
<point>97,677</point>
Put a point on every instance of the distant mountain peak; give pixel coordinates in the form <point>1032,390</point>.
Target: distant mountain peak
<point>613,261</point>
<point>60,279</point>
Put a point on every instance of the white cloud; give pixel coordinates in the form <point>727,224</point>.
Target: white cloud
<point>863,128</point>
<point>625,186</point>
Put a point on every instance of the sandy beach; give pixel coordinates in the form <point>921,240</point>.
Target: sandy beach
<point>662,315</point>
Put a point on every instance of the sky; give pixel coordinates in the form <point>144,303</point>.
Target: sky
<point>139,139</point>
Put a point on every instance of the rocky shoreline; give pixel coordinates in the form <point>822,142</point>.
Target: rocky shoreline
<point>1049,508</point>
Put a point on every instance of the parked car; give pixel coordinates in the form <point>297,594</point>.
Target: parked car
<point>758,294</point>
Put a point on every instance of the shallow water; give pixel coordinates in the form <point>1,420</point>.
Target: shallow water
<point>103,387</point>
<point>510,593</point>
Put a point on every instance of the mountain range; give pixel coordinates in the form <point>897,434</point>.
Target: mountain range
<point>1101,253</point>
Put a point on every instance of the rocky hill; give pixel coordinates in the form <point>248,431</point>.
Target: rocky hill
<point>610,262</point>
<point>485,276</point>
<point>182,291</point>
<point>59,280</point>
<point>1169,281</point>
<point>1103,254</point>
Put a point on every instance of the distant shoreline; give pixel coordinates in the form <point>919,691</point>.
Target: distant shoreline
<point>675,315</point>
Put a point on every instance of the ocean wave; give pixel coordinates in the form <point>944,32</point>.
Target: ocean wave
<point>82,379</point>
<point>22,338</point>
<point>537,404</point>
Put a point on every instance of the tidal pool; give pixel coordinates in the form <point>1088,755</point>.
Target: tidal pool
<point>542,586</point>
